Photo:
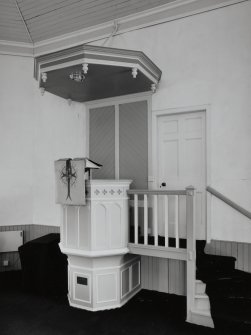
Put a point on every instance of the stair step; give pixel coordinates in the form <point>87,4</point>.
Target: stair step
<point>201,318</point>
<point>200,287</point>
<point>202,302</point>
<point>216,263</point>
<point>202,312</point>
<point>229,291</point>
<point>235,285</point>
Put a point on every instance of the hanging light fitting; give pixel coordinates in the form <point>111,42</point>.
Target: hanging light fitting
<point>77,76</point>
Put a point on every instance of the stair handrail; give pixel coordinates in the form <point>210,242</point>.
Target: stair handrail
<point>156,192</point>
<point>229,202</point>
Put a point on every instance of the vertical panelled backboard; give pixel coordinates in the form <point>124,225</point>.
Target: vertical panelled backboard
<point>102,141</point>
<point>120,138</point>
<point>133,143</point>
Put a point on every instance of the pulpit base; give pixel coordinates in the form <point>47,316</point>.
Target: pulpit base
<point>102,283</point>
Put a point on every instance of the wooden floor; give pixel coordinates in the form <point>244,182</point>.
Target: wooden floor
<point>148,313</point>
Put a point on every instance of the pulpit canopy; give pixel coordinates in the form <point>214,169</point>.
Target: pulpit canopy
<point>86,73</point>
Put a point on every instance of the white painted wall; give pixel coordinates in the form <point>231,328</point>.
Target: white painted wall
<point>205,60</point>
<point>16,145</point>
<point>60,133</point>
<point>34,131</point>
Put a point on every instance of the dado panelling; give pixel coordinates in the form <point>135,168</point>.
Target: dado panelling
<point>241,251</point>
<point>30,232</point>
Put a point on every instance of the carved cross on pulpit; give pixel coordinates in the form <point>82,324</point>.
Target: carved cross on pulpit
<point>68,177</point>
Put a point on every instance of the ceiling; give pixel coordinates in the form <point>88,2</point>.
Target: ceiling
<point>38,20</point>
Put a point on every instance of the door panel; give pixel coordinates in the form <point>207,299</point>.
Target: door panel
<point>102,141</point>
<point>133,143</point>
<point>181,157</point>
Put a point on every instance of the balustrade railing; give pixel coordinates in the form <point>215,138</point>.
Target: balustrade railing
<point>140,244</point>
<point>152,199</point>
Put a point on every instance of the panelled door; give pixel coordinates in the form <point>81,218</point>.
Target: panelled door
<point>181,159</point>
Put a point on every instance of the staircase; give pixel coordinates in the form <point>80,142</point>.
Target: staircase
<point>201,314</point>
<point>228,290</point>
<point>220,296</point>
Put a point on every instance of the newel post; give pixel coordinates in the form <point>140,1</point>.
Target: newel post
<point>191,250</point>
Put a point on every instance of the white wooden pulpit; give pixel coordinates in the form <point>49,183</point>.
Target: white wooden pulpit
<point>94,236</point>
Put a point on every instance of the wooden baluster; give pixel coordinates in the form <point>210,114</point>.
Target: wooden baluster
<point>166,219</point>
<point>191,251</point>
<point>145,220</point>
<point>62,224</point>
<point>136,218</point>
<point>155,219</point>
<point>78,221</point>
<point>176,220</point>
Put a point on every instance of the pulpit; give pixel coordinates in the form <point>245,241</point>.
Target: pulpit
<point>94,236</point>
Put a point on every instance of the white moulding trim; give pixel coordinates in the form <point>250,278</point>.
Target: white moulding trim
<point>16,48</point>
<point>17,44</point>
<point>93,253</point>
<point>119,61</point>
<point>122,99</point>
<point>134,259</point>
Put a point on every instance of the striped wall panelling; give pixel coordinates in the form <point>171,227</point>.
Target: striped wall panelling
<point>169,275</point>
<point>241,251</point>
<point>163,275</point>
<point>157,274</point>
